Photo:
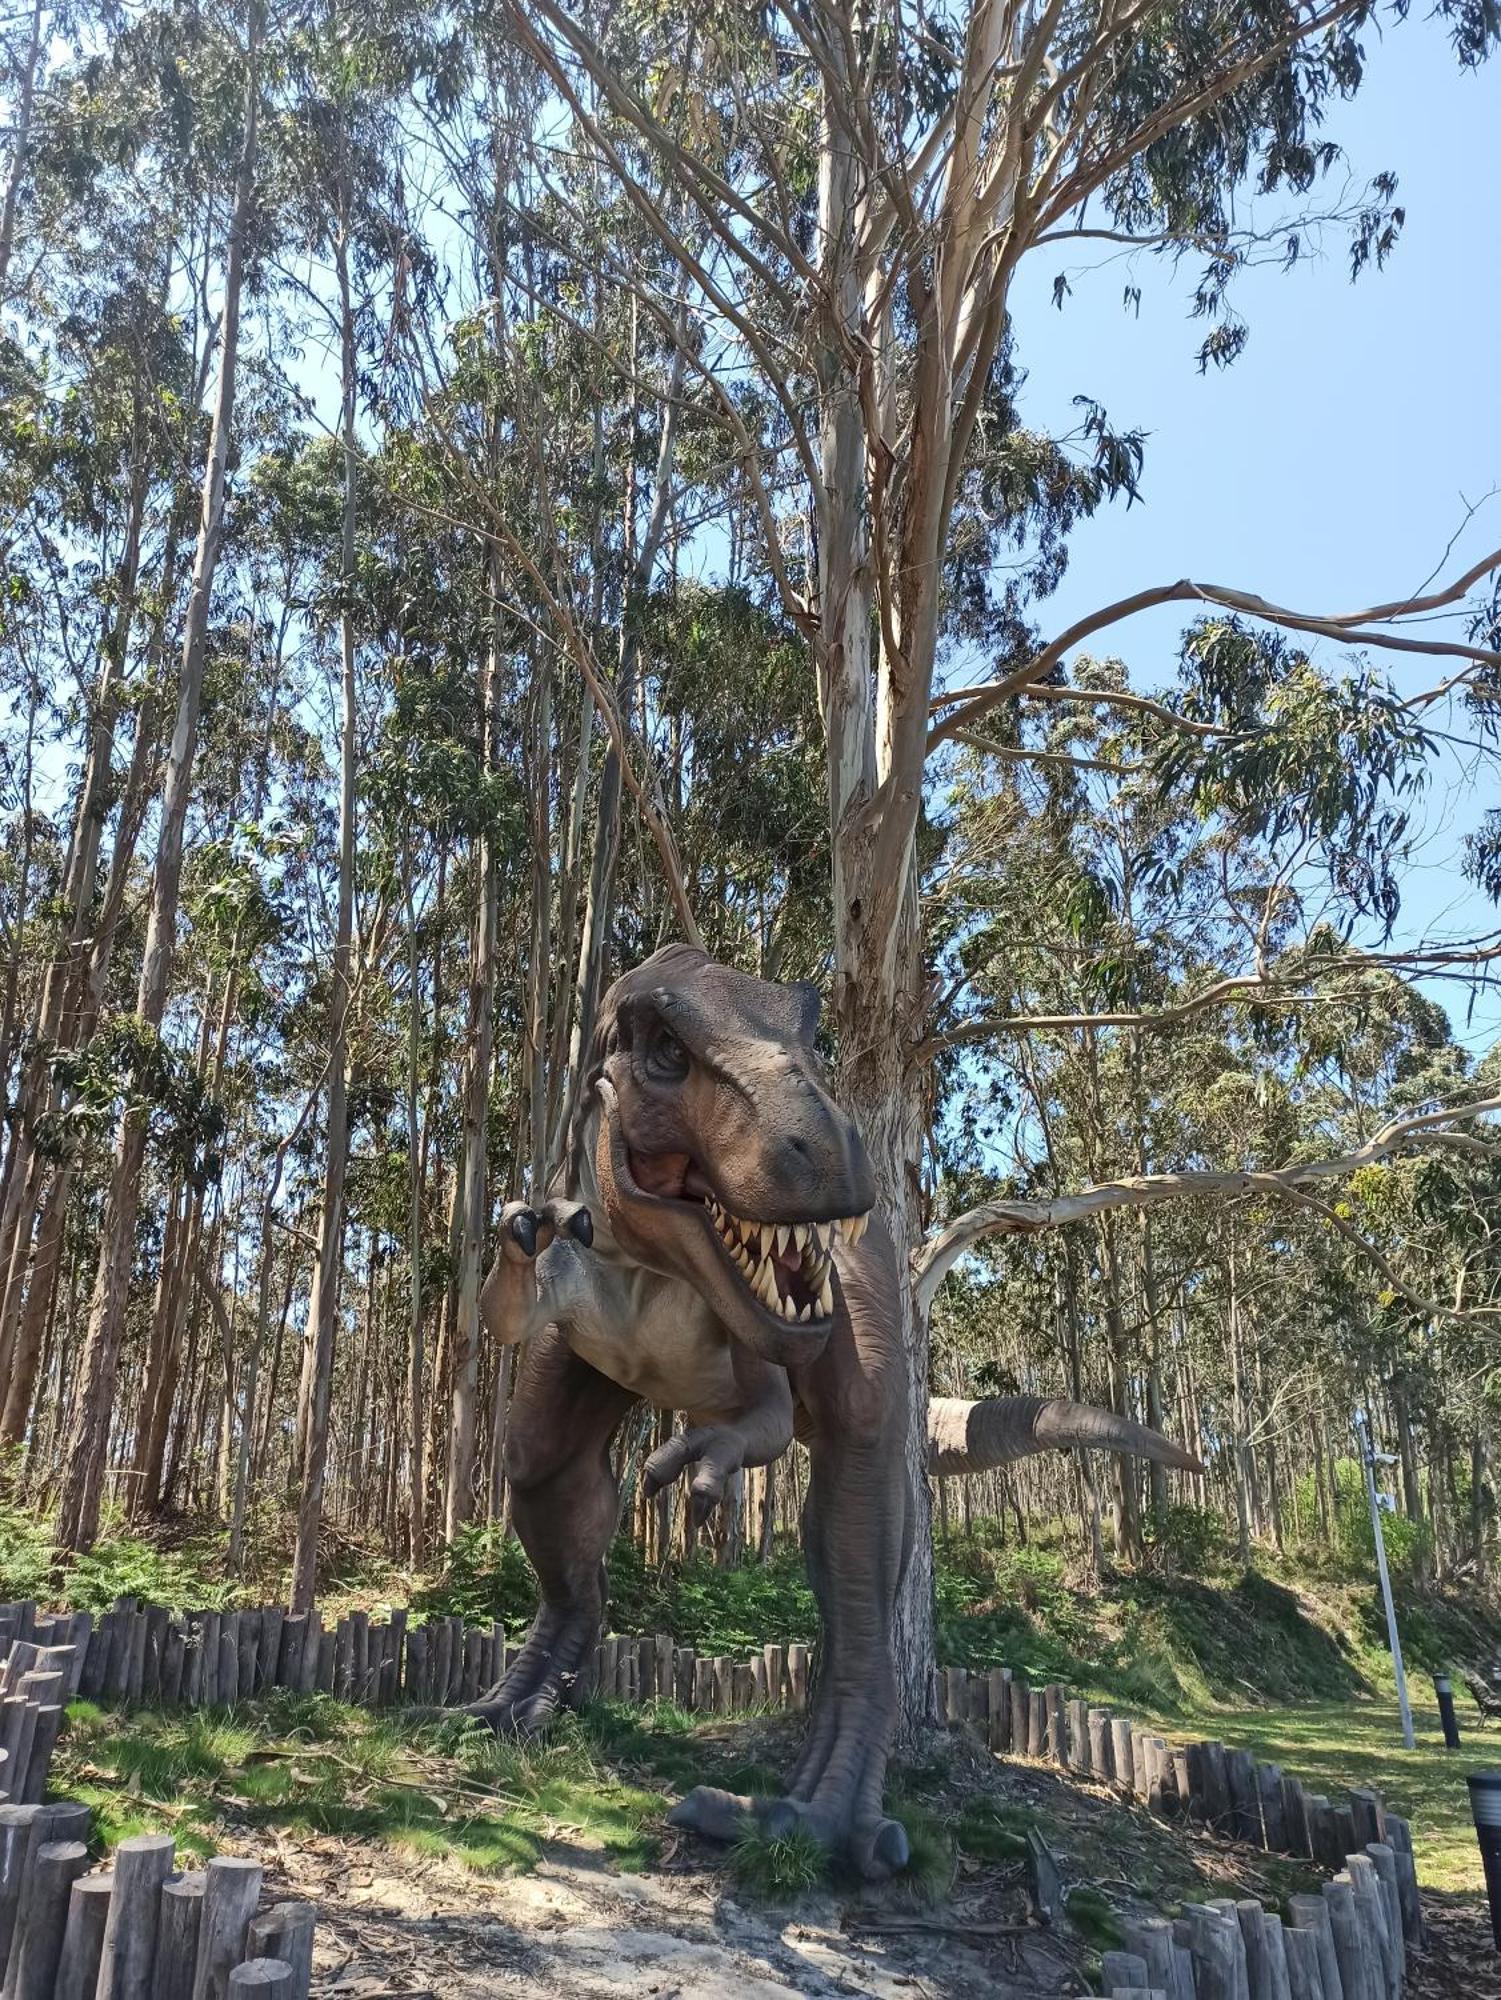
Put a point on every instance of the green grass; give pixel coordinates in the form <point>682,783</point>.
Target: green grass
<point>312,1766</point>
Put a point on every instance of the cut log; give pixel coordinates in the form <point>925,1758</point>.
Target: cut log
<point>231,1891</point>
<point>285,1931</point>
<point>38,1948</point>
<point>83,1940</point>
<point>1310,1915</point>
<point>127,1968</point>
<point>177,1936</point>
<point>267,1978</point>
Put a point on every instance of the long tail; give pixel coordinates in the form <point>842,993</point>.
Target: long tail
<point>973,1437</point>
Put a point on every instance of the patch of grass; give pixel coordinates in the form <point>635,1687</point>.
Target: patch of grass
<point>991,1831</point>
<point>312,1766</point>
<point>929,1873</point>
<point>1093,1917</point>
<point>775,1868</point>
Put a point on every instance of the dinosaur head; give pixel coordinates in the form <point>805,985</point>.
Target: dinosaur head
<point>718,1154</point>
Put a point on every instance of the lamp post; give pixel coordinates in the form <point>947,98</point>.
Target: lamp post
<point>1485,1805</point>
<point>1370,1460</point>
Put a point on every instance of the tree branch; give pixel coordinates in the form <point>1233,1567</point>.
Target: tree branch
<point>938,1256</point>
<point>1352,628</point>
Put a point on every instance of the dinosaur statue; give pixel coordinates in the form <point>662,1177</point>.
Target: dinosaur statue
<point>714,1248</point>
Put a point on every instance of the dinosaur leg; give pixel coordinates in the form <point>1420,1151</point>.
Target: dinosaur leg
<point>857,1534</point>
<point>565,1505</point>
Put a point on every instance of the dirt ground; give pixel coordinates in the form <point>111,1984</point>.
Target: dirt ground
<point>396,1923</point>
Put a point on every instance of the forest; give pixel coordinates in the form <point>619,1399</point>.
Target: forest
<point>486,492</point>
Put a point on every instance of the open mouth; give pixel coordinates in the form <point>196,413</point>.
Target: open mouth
<point>787,1267</point>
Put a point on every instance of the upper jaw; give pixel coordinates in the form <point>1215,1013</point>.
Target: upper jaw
<point>788,1267</point>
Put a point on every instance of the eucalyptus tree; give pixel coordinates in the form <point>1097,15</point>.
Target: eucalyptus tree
<point>93,1400</point>
<point>852,196</point>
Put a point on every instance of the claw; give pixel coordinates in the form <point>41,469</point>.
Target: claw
<point>716,1814</point>
<point>880,1848</point>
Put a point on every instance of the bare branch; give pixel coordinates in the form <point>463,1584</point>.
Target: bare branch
<point>1352,628</point>
<point>941,1252</point>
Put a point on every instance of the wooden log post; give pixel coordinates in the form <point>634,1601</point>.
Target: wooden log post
<point>17,1826</point>
<point>177,1928</point>
<point>1101,1749</point>
<point>46,1724</point>
<point>1305,1978</point>
<point>127,1968</point>
<point>684,1665</point>
<point>312,1654</point>
<point>1123,1969</point>
<point>17,1729</point>
<point>1123,1770</point>
<point>1399,1839</point>
<point>1037,1723</point>
<point>1229,1913</point>
<point>83,1939</point>
<point>229,1657</point>
<point>797,1675</point>
<point>998,1695</point>
<point>776,1674</point>
<point>956,1693</point>
<point>1021,1708</point>
<point>1252,1919</point>
<point>208,1646</point>
<point>1354,1952</point>
<point>231,1891</point>
<point>1385,1862</point>
<point>662,1646</point>
<point>1078,1735</point>
<point>285,1931</point>
<point>742,1686</point>
<point>1273,1819</point>
<point>1214,1945</point>
<point>266,1978</point>
<point>1369,1814</point>
<point>1245,1803</point>
<point>38,1946</point>
<point>174,1660</point>
<point>1310,1915</point>
<point>724,1684</point>
<point>1057,1737</point>
<point>1368,1897</point>
<point>1152,1941</point>
<point>1295,1817</point>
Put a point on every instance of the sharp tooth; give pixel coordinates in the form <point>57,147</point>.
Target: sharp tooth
<point>858,1227</point>
<point>800,1234</point>
<point>766,1284</point>
<point>786,1237</point>
<point>805,1315</point>
<point>825,1296</point>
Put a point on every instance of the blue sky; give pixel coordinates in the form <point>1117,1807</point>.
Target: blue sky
<point>1330,465</point>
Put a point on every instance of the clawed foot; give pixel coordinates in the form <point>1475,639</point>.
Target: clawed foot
<point>717,1451</point>
<point>548,1674</point>
<point>876,1847</point>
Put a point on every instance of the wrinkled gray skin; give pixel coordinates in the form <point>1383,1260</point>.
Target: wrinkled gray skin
<point>647,1277</point>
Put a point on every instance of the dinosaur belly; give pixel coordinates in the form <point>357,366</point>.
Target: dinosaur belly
<point>670,1351</point>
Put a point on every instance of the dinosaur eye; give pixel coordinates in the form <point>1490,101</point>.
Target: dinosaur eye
<point>668,1059</point>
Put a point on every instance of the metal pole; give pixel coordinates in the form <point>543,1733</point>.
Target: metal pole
<point>1368,1460</point>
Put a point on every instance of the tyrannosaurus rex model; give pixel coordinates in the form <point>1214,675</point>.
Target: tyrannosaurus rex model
<point>714,1250</point>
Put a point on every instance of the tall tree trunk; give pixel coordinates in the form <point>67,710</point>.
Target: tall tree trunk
<point>318,1350</point>
<point>94,1397</point>
<point>463,1416</point>
<point>19,146</point>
